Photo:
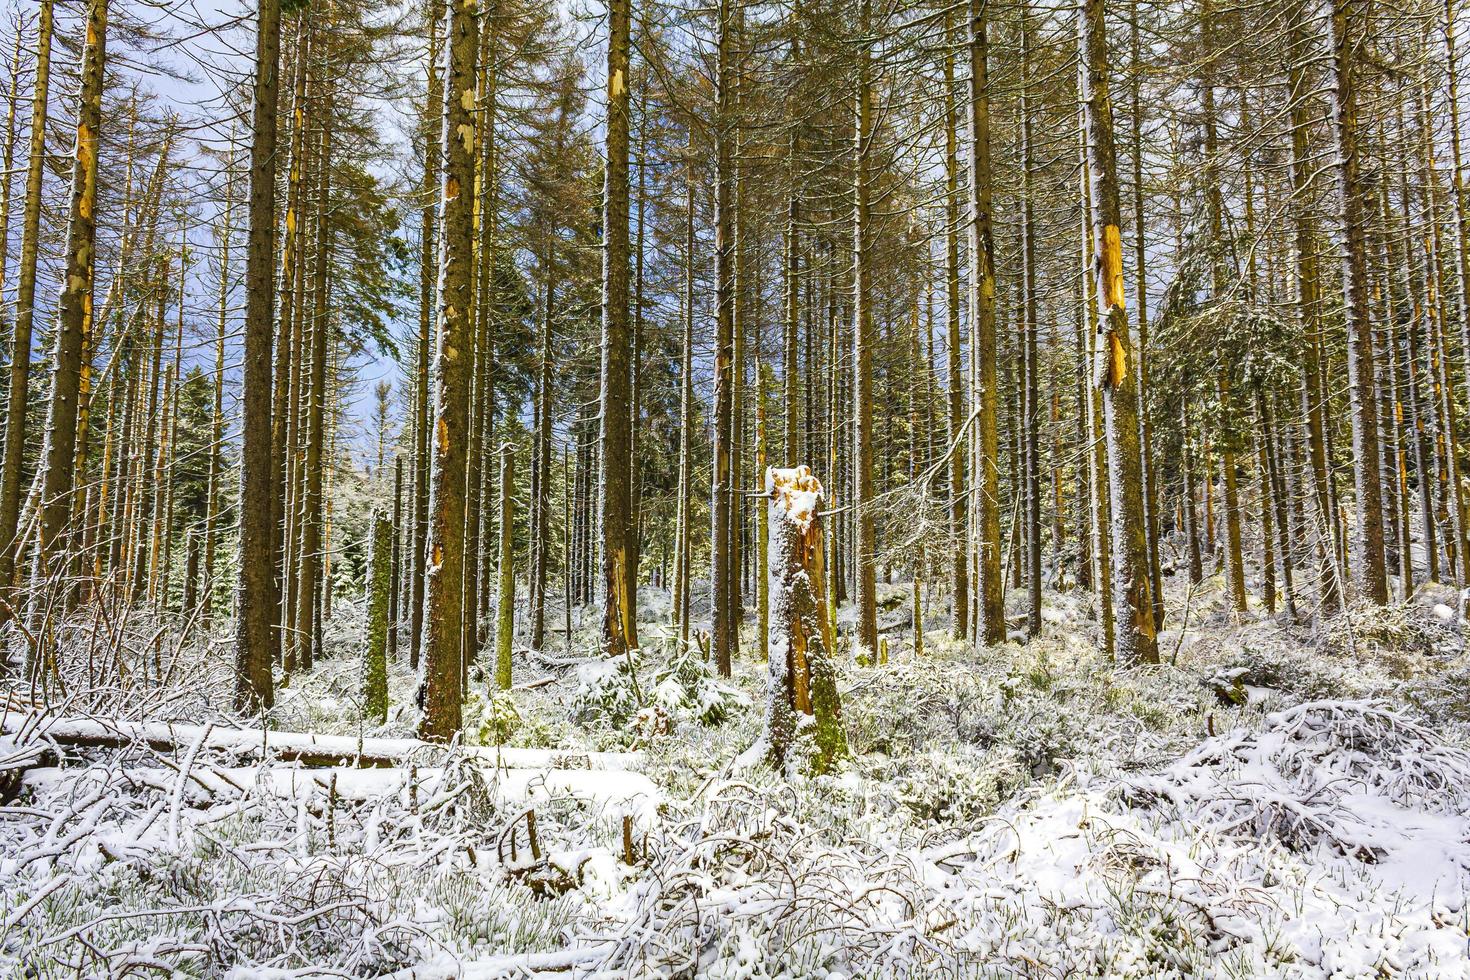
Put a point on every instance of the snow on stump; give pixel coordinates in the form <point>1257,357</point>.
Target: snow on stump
<point>375,650</point>
<point>802,685</point>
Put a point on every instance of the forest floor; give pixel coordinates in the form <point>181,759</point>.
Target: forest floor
<point>1272,801</point>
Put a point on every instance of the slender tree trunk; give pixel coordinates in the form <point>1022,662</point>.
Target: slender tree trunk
<point>615,441</point>
<point>863,344</point>
<point>1349,221</point>
<point>1031,411</point>
<point>25,300</point>
<point>1150,472</point>
<point>982,312</point>
<point>506,588</point>
<point>428,252</point>
<point>722,491</point>
<point>1309,302</point>
<point>287,329</point>
<point>395,560</point>
<point>1134,617</point>
<point>1229,436</point>
<point>958,518</point>
<point>75,318</point>
<point>445,570</point>
<point>311,575</point>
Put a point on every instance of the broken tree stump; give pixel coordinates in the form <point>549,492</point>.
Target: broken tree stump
<point>801,679</point>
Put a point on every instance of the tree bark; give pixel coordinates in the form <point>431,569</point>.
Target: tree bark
<point>25,300</point>
<point>615,440</point>
<point>722,492</point>
<point>443,673</point>
<point>801,679</point>
<point>1134,619</point>
<point>982,312</point>
<point>505,602</point>
<point>375,650</point>
<point>1349,222</point>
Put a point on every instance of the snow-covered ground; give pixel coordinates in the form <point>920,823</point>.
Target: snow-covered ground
<point>1272,801</point>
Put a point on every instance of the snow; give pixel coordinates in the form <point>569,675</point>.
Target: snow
<point>1268,806</point>
<point>250,742</point>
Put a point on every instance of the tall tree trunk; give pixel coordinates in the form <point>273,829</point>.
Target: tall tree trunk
<point>722,491</point>
<point>288,328</point>
<point>958,519</point>
<point>311,575</point>
<point>1134,617</point>
<point>445,572</point>
<point>862,347</point>
<point>1031,411</point>
<point>74,322</point>
<point>256,639</point>
<point>1349,221</point>
<point>615,439</point>
<point>1309,302</point>
<point>25,301</point>
<point>428,258</point>
<point>1220,283</point>
<point>982,312</point>
<point>684,538</point>
<point>506,589</point>
<point>1140,251</point>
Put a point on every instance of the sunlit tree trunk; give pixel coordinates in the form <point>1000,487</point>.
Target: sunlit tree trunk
<point>1134,619</point>
<point>74,321</point>
<point>616,437</point>
<point>444,590</point>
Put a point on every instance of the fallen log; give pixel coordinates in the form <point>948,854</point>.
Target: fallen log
<point>307,748</point>
<point>210,784</point>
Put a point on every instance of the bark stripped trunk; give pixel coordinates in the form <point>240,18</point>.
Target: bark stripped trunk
<point>443,676</point>
<point>801,678</point>
<point>1134,619</point>
<point>74,322</point>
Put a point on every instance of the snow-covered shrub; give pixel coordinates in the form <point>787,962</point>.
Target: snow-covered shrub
<point>1274,667</point>
<point>607,692</point>
<point>499,719</point>
<point>1299,780</point>
<point>688,689</point>
<point>1398,634</point>
<point>958,787</point>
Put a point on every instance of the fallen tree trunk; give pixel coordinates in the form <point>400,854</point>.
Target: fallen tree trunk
<point>211,784</point>
<point>304,747</point>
